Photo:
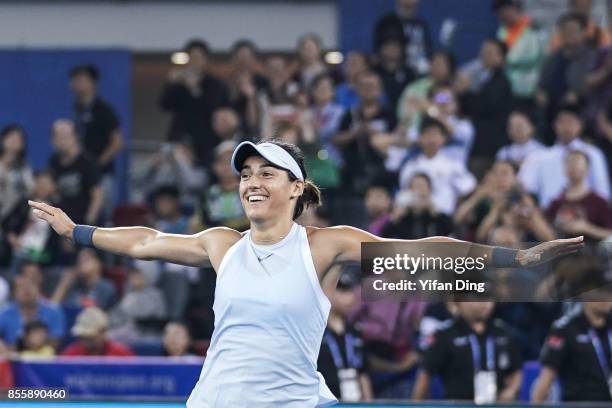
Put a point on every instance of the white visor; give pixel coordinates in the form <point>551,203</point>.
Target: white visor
<point>269,151</point>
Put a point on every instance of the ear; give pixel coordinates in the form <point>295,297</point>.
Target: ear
<point>298,189</point>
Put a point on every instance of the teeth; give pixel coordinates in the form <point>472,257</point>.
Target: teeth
<point>257,198</point>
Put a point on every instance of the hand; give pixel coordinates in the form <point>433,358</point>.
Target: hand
<point>547,251</point>
<point>246,86</point>
<point>68,276</point>
<point>57,219</point>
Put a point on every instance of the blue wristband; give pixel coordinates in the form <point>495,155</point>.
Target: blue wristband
<point>83,235</point>
<point>504,257</point>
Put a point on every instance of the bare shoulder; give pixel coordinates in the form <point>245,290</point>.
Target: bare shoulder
<point>216,242</point>
<point>340,242</point>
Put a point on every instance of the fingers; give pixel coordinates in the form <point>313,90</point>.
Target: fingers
<point>43,207</point>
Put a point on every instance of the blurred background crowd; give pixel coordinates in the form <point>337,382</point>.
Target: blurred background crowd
<point>512,146</point>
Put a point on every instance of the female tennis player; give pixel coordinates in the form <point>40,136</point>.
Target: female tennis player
<point>270,309</point>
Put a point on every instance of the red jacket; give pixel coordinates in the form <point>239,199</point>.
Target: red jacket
<point>111,348</point>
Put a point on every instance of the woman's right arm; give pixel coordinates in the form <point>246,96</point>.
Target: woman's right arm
<point>143,242</point>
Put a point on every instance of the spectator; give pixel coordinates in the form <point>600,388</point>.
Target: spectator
<point>518,211</point>
<point>220,204</point>
<point>442,104</point>
<point>27,306</point>
<point>392,71</point>
<point>378,205</point>
<point>521,131</point>
<point>604,128</point>
<point>84,284</point>
<point>191,95</point>
<point>97,125</point>
<point>498,184</point>
<point>309,49</point>
<point>174,277</point>
<point>176,340</point>
<point>540,172</point>
<point>486,98</point>
<point>414,98</point>
<point>245,86</point>
<point>525,49</point>
<point>598,92</point>
<point>35,341</point>
<point>33,272</point>
<point>16,180</point>
<point>6,370</point>
<point>281,87</point>
<point>326,115</point>
<point>29,236</point>
<point>174,164</point>
<point>450,178</point>
<point>596,35</point>
<point>389,329</point>
<point>142,303</point>
<point>564,73</point>
<point>414,214</point>
<point>341,359</point>
<point>487,371</point>
<point>362,163</point>
<point>576,353</point>
<point>346,92</point>
<point>226,125</point>
<point>77,178</point>
<point>408,29</point>
<point>578,209</point>
<point>168,211</point>
<point>90,328</point>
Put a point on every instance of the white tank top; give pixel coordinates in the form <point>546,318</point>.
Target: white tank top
<point>270,315</point>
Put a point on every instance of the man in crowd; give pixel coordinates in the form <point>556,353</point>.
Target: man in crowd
<point>450,178</point>
<point>341,359</point>
<point>564,73</point>
<point>522,134</point>
<point>28,305</point>
<point>76,176</point>
<point>90,328</point>
<point>96,124</point>
<point>84,284</point>
<point>525,50</point>
<point>410,30</point>
<point>475,357</point>
<point>578,210</point>
<point>577,352</point>
<point>191,96</point>
<point>356,132</point>
<point>541,172</point>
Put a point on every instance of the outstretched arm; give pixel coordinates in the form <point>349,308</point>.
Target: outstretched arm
<point>142,242</point>
<point>347,246</point>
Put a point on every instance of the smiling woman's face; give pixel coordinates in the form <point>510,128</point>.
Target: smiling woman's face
<point>266,191</point>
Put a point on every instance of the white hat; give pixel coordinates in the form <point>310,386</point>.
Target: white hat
<point>269,151</point>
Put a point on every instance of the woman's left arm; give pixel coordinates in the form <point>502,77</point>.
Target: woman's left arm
<point>346,242</point>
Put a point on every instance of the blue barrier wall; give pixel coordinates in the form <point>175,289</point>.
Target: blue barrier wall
<point>34,92</point>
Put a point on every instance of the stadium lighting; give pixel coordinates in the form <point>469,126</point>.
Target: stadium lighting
<point>334,57</point>
<point>179,58</point>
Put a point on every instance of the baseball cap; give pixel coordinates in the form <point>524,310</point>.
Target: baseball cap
<point>89,322</point>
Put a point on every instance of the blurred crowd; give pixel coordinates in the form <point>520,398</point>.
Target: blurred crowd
<point>513,146</point>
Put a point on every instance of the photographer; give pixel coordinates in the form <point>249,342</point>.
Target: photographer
<point>414,215</point>
<point>516,210</point>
